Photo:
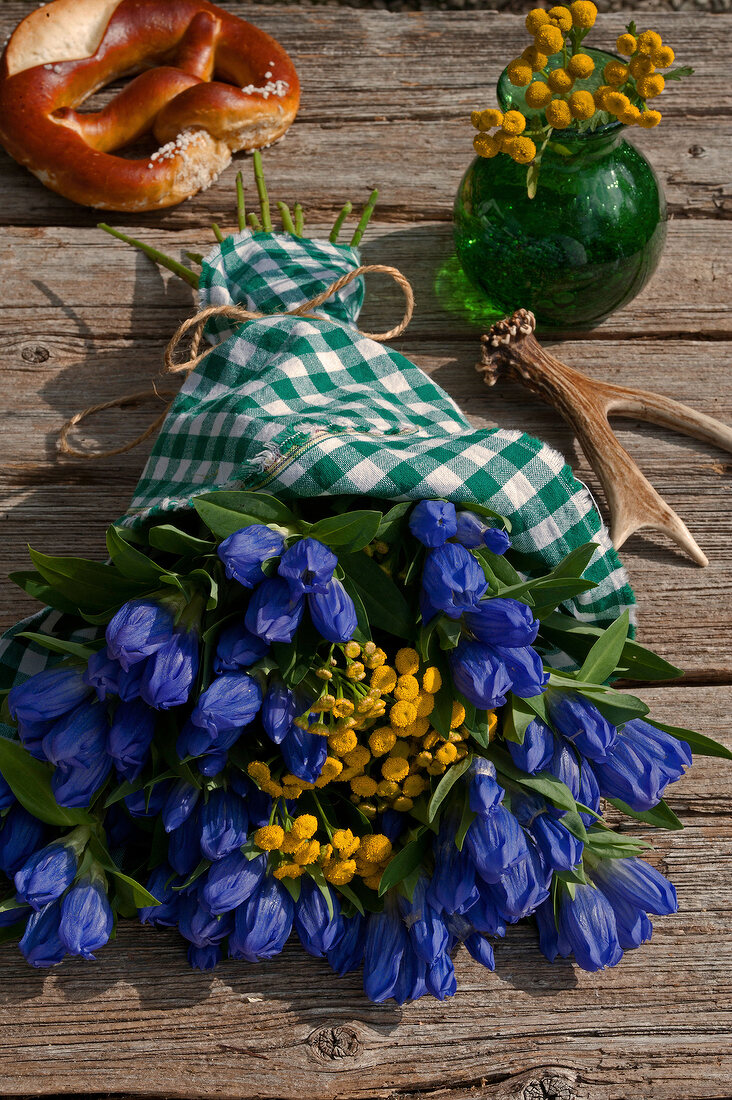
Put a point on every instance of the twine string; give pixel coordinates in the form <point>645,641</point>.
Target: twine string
<point>197,324</point>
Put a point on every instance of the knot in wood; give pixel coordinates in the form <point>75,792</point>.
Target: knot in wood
<point>548,1088</point>
<point>35,354</point>
<point>332,1043</point>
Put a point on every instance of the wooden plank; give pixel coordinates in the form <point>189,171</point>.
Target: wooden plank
<point>412,132</point>
<point>659,1025</point>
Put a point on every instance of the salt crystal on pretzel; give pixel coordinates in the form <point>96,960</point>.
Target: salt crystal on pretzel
<point>209,84</point>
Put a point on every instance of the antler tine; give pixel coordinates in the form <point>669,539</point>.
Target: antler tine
<point>511,348</point>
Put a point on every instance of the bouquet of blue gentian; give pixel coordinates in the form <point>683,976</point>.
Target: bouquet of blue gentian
<point>346,675</point>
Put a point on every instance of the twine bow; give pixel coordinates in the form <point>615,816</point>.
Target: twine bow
<point>197,323</point>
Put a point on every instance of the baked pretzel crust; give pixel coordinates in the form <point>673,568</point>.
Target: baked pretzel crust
<point>209,84</point>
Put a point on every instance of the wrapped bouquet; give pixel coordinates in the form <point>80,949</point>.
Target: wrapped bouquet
<point>346,673</point>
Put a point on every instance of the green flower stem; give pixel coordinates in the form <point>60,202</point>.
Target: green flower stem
<point>299,219</point>
<point>287,223</point>
<point>322,816</point>
<point>365,218</point>
<point>338,224</point>
<point>160,258</point>
<point>241,209</point>
<point>254,223</point>
<point>262,192</point>
<point>217,233</point>
<point>195,257</point>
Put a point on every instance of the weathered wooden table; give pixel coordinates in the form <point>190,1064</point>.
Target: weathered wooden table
<point>84,319</point>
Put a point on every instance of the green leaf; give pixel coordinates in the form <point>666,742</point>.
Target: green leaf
<point>517,717</point>
<point>603,658</point>
<point>449,632</point>
<point>442,711</point>
<point>361,615</point>
<point>608,844</point>
<point>352,897</point>
<point>697,742</point>
<point>577,638</point>
<point>174,541</point>
<point>447,782</point>
<point>577,875</point>
<point>617,707</point>
<point>348,533</point>
<point>89,585</point>
<point>30,782</point>
<point>10,904</point>
<point>678,74</point>
<point>479,727</point>
<point>36,587</point>
<point>661,816</point>
<point>293,886</point>
<point>466,820</point>
<point>500,567</point>
<point>543,783</point>
<point>383,601</point>
<point>392,522</point>
<point>576,561</point>
<point>225,512</point>
<point>316,873</point>
<point>574,824</point>
<point>130,562</point>
<point>404,862</point>
<point>59,645</point>
<point>140,894</point>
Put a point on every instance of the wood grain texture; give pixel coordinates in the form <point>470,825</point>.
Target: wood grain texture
<point>658,1025</point>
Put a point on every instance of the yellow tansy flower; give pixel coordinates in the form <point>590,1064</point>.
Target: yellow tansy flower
<point>358,757</point>
<point>340,871</point>
<point>650,86</point>
<point>407,660</point>
<point>407,685</point>
<point>458,715</point>
<point>549,39</point>
<point>559,116</point>
<point>519,72</point>
<point>375,848</point>
<point>364,786</point>
<point>616,103</point>
<point>395,768</point>
<point>626,45</point>
<point>288,870</point>
<point>582,105</point>
<point>345,843</point>
<point>649,41</point>
<point>403,713</point>
<point>384,678</point>
<point>535,58</point>
<point>414,785</point>
<point>663,57</point>
<point>431,680</point>
<point>538,95</point>
<point>615,73</point>
<point>536,19</point>
<point>649,119</point>
<point>559,80</point>
<point>514,123</point>
<point>269,838</point>
<point>382,740</point>
<point>580,66</point>
<point>304,827</point>
<point>562,17</point>
<point>584,14</point>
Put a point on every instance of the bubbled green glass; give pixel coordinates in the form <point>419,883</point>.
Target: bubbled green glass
<point>589,240</point>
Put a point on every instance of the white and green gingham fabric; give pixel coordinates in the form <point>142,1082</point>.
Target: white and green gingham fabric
<point>310,407</point>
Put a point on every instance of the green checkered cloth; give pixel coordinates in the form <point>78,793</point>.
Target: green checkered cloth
<point>306,407</point>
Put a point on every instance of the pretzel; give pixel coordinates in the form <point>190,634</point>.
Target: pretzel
<point>65,51</point>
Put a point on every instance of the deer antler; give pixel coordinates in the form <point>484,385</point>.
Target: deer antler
<point>511,348</point>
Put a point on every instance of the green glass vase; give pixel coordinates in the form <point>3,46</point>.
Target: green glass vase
<point>588,241</point>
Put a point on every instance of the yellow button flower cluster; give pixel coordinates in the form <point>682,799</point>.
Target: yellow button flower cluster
<point>345,855</point>
<point>508,138</point>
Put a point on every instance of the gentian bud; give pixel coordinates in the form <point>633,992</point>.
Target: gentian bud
<point>433,522</point>
<point>148,802</point>
<point>485,792</point>
<point>587,924</point>
<point>78,739</point>
<point>130,681</point>
<point>551,942</point>
<point>440,978</point>
<point>75,785</point>
<point>179,805</point>
<point>230,881</point>
<point>452,886</point>
<point>453,580</point>
<point>411,979</point>
<point>428,933</point>
<point>560,849</point>
<point>479,675</point>
<point>495,843</point>
<point>198,926</point>
<point>525,668</point>
<point>184,845</point>
<point>86,918</point>
<point>347,954</point>
<point>470,530</point>
<point>318,931</point>
<point>579,720</point>
<point>535,753</point>
<point>641,764</point>
<point>263,923</point>
<point>238,648</point>
<point>164,915</point>
<point>636,882</point>
<point>479,947</point>
<point>279,711</point>
<point>41,944</point>
<point>212,764</point>
<point>171,671</point>
<point>7,798</point>
<point>47,695</point>
<point>308,567</point>
<point>224,824</point>
<point>231,702</point>
<point>496,540</point>
<point>46,875</point>
<point>304,753</point>
<point>385,944</point>
<point>333,613</point>
<point>259,804</point>
<point>204,958</point>
<point>502,622</point>
<point>272,614</point>
<point>130,737</point>
<point>20,836</point>
<point>244,553</point>
<point>139,629</point>
<point>522,887</point>
<point>103,673</point>
<point>31,736</point>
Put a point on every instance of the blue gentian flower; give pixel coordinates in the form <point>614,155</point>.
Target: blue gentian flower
<point>589,792</point>
<point>204,958</point>
<point>318,931</point>
<point>560,849</point>
<point>452,886</point>
<point>197,925</point>
<point>130,737</point>
<point>79,738</point>
<point>428,933</point>
<point>579,721</point>
<point>636,882</point>
<point>502,622</point>
<point>641,764</point>
<point>497,540</point>
<point>31,736</point>
<point>411,983</point>
<point>184,845</point>
<point>230,881</point>
<point>453,580</point>
<point>41,944</point>
<point>46,875</point>
<point>481,950</point>
<point>347,954</point>
<point>433,522</point>
<point>74,785</point>
<point>86,918</point>
<point>385,944</point>
<point>179,805</point>
<point>238,648</point>
<point>244,553</point>
<point>259,804</point>
<point>231,702</point>
<point>139,629</point>
<point>522,887</point>
<point>279,711</point>
<point>160,884</point>
<point>224,824</point>
<point>333,613</point>
<point>479,675</point>
<point>482,915</point>
<point>147,802</point>
<point>525,669</point>
<point>130,682</point>
<point>587,925</point>
<point>20,836</point>
<point>304,753</point>
<point>212,764</point>
<point>262,924</point>
<point>551,941</point>
<point>273,615</point>
<point>485,792</point>
<point>7,798</point>
<point>440,978</point>
<point>308,567</point>
<point>47,695</point>
<point>103,673</point>
<point>495,843</point>
<point>171,671</point>
<point>536,751</point>
<point>470,530</point>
